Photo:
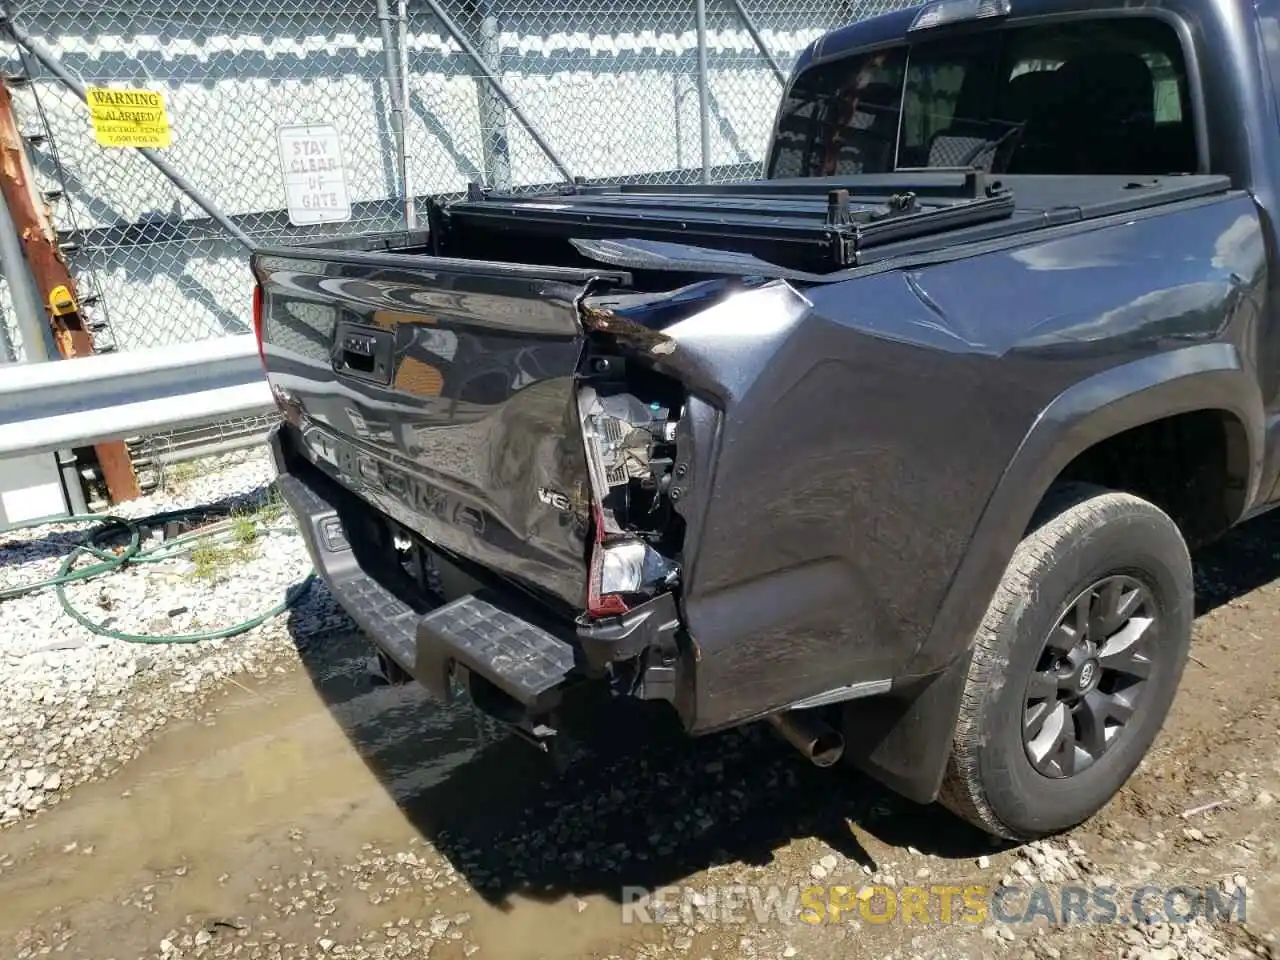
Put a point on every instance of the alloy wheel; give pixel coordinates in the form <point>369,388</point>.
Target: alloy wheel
<point>1089,680</point>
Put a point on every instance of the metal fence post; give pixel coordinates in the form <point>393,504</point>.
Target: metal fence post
<point>37,340</point>
<point>704,89</point>
<point>493,116</point>
<point>675,104</point>
<point>396,93</point>
<point>495,83</point>
<point>410,204</point>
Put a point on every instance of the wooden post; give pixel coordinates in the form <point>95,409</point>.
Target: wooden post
<point>53,280</point>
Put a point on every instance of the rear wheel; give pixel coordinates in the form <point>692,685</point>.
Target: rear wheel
<point>1074,667</point>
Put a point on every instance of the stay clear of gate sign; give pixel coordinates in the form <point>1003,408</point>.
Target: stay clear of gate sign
<point>315,178</point>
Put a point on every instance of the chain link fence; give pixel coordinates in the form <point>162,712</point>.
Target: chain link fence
<point>600,90</point>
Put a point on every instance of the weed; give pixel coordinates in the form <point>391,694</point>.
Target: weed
<point>175,474</point>
<point>213,561</point>
<point>244,528</point>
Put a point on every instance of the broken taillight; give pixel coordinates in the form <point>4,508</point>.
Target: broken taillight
<point>603,599</point>
<point>619,439</point>
<point>257,323</point>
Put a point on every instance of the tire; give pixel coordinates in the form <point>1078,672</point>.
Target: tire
<point>1134,552</point>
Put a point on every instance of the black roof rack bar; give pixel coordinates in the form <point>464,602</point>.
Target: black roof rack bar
<point>773,205</point>
<point>639,222</point>
<point>954,182</point>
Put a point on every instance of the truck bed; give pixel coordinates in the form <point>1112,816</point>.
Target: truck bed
<point>813,229</point>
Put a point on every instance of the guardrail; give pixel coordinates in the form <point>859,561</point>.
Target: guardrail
<point>75,403</point>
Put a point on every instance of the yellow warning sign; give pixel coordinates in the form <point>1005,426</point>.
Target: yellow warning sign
<point>129,118</point>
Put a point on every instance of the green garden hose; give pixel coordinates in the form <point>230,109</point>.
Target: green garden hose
<point>110,559</point>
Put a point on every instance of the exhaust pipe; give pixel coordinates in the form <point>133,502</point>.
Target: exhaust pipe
<point>818,741</point>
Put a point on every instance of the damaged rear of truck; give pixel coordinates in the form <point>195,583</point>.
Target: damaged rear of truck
<point>542,443</point>
<point>904,460</point>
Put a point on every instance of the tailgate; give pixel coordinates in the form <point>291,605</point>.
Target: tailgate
<point>442,392</point>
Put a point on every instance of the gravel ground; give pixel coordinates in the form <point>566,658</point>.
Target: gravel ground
<point>73,704</point>
<point>266,797</point>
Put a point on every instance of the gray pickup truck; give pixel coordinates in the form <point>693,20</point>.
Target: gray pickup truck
<point>900,448</point>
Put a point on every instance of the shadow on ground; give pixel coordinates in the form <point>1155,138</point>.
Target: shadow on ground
<point>628,800</point>
<point>1245,559</point>
<point>64,536</point>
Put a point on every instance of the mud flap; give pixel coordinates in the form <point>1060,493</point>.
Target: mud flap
<point>903,739</point>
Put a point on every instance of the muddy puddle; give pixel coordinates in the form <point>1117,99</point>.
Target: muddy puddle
<point>284,783</point>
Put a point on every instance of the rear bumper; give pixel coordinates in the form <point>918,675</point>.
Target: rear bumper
<point>497,636</point>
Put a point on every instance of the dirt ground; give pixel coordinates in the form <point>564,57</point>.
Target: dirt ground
<point>308,811</point>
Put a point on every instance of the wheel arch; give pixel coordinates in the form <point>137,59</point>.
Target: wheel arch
<point>907,738</point>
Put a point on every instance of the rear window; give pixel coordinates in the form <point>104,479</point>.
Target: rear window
<point>1080,97</point>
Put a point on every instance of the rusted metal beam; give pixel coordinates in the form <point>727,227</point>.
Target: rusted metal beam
<point>53,280</point>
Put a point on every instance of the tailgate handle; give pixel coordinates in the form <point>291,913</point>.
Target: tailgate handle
<point>363,352</point>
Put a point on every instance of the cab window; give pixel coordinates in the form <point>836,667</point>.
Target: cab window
<point>1105,96</point>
